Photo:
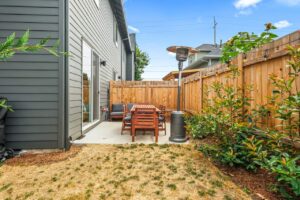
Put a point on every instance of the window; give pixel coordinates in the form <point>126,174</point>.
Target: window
<point>90,85</point>
<point>116,32</point>
<point>115,76</point>
<point>97,2</point>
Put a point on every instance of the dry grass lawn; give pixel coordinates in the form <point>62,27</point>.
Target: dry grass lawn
<point>118,172</point>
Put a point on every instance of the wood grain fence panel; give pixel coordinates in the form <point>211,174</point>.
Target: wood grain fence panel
<point>144,92</point>
<point>256,67</point>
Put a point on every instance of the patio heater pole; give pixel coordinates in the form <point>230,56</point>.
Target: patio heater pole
<point>178,132</point>
<point>180,67</point>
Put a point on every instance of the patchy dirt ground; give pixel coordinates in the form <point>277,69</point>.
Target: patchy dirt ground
<point>117,172</point>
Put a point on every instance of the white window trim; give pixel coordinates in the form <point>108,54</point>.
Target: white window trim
<point>97,2</point>
<point>91,124</point>
<point>116,36</point>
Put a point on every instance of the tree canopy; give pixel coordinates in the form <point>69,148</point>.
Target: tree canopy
<point>142,60</point>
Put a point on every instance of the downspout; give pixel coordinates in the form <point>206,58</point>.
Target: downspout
<point>122,60</point>
<point>66,44</point>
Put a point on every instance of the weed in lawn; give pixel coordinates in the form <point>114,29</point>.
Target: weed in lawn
<point>245,189</point>
<point>211,192</point>
<point>77,169</point>
<point>91,184</point>
<point>201,193</point>
<point>88,193</point>
<point>102,197</point>
<point>50,191</point>
<point>181,179</point>
<point>28,194</point>
<point>227,197</point>
<point>144,184</point>
<point>216,183</point>
<point>5,187</point>
<point>172,186</point>
<point>54,179</point>
<point>160,183</point>
<point>10,190</point>
<point>164,146</point>
<point>106,159</point>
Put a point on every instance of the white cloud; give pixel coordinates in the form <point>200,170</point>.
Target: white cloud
<point>244,12</point>
<point>134,29</point>
<point>243,4</point>
<point>289,2</point>
<point>172,54</point>
<point>282,24</point>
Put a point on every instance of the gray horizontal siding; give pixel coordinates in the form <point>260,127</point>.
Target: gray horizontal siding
<point>32,81</point>
<point>95,25</point>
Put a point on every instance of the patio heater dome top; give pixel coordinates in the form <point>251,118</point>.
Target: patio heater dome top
<point>173,49</point>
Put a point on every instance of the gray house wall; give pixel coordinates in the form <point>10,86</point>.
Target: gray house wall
<point>34,83</point>
<point>95,26</point>
<point>130,68</point>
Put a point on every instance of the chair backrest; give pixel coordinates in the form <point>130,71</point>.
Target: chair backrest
<point>117,108</point>
<point>145,118</point>
<point>162,109</point>
<point>129,107</point>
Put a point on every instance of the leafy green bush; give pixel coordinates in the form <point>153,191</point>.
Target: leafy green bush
<point>241,141</point>
<point>288,173</point>
<point>200,126</point>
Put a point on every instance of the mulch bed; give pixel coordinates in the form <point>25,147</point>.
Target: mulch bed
<point>28,159</point>
<point>258,183</point>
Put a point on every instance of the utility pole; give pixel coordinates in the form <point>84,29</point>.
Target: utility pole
<point>215,31</point>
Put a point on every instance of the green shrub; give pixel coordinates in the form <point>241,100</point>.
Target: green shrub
<point>288,174</point>
<point>200,126</point>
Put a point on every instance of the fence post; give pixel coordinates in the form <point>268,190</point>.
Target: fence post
<point>201,92</point>
<point>240,80</point>
<point>110,95</point>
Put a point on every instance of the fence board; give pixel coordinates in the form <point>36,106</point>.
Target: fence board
<point>144,92</point>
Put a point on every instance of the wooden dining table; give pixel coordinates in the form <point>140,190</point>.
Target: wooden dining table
<point>141,123</point>
<point>143,106</point>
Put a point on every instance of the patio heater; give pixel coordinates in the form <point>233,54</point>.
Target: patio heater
<point>178,132</point>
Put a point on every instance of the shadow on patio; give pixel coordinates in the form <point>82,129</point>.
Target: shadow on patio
<point>110,133</point>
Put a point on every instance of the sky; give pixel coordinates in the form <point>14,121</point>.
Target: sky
<point>163,23</point>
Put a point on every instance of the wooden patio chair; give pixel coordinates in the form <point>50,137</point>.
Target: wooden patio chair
<point>126,122</point>
<point>145,119</point>
<point>116,111</point>
<point>162,119</point>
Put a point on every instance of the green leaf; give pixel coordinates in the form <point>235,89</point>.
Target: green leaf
<point>23,40</point>
<point>8,43</point>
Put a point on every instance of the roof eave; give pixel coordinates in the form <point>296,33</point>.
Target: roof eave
<point>119,13</point>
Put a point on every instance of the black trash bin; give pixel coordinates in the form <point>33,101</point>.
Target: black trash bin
<point>3,115</point>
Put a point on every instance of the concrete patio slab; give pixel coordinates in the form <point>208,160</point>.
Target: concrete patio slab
<point>110,133</point>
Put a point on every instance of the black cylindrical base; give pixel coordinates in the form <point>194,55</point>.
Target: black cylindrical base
<point>2,134</point>
<point>178,132</point>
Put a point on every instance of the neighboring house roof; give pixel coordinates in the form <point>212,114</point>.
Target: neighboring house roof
<point>216,53</point>
<point>119,12</point>
<point>207,47</point>
<point>174,75</point>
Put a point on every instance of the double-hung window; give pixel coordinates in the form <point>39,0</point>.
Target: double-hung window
<point>116,31</point>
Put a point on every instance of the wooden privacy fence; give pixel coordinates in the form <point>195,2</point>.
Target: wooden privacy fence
<point>255,69</point>
<point>144,92</point>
